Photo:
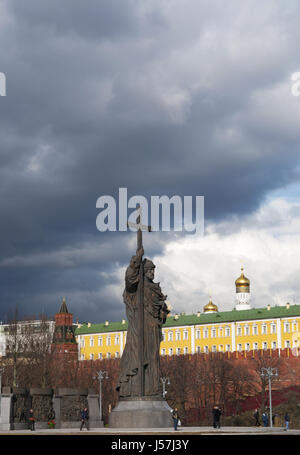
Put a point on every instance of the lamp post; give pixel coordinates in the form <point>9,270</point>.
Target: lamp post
<point>165,381</point>
<point>269,373</point>
<point>100,375</point>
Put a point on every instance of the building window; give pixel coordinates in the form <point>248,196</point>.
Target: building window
<point>227,347</point>
<point>254,330</point>
<point>294,326</point>
<point>227,331</point>
<point>198,349</point>
<point>177,336</point>
<point>82,342</point>
<point>91,356</point>
<point>100,341</point>
<point>198,334</point>
<point>82,357</point>
<point>286,327</point>
<point>221,348</point>
<point>170,351</point>
<point>265,345</point>
<point>206,349</point>
<point>117,355</point>
<point>220,331</point>
<point>264,329</point>
<point>273,344</point>
<point>108,355</point>
<point>287,343</point>
<point>117,339</point>
<point>295,343</point>
<point>247,347</point>
<point>273,328</point>
<point>239,331</point>
<point>239,347</point>
<point>255,346</point>
<point>170,336</point>
<point>185,335</point>
<point>177,351</point>
<point>91,342</point>
<point>163,352</point>
<point>108,341</point>
<point>186,350</point>
<point>214,348</point>
<point>205,333</point>
<point>213,333</point>
<point>163,336</point>
<point>100,357</point>
<point>246,330</point>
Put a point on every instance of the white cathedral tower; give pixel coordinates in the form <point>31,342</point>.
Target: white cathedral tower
<point>242,285</point>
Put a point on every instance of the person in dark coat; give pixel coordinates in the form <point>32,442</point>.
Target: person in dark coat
<point>265,419</point>
<point>287,421</point>
<point>256,416</point>
<point>31,420</point>
<point>175,417</point>
<point>216,412</point>
<point>51,415</point>
<point>85,419</point>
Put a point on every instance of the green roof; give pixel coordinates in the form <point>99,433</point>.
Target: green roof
<point>101,328</point>
<point>204,318</point>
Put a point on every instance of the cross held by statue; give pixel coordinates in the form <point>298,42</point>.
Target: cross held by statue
<point>140,227</point>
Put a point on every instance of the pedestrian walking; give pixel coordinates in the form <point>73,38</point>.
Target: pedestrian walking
<point>85,419</point>
<point>31,420</point>
<point>216,412</point>
<point>175,417</point>
<point>286,421</point>
<point>265,419</point>
<point>256,417</point>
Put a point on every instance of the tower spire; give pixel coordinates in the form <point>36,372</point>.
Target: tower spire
<point>64,340</point>
<point>64,308</point>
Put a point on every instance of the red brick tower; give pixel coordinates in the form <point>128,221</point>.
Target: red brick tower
<point>64,341</point>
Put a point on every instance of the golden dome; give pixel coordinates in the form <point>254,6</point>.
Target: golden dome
<point>242,280</point>
<point>210,306</point>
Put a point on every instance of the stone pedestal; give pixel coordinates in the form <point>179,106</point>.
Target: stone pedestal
<point>141,413</point>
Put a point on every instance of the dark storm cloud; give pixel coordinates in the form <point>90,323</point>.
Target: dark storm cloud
<point>95,20</point>
<point>143,95</point>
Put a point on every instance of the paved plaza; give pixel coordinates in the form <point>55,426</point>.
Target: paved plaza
<point>158,431</point>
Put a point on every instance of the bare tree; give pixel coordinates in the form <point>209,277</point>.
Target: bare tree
<point>264,361</point>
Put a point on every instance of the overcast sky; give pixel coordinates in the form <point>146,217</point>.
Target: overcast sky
<point>161,97</point>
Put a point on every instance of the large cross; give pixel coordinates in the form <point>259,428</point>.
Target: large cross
<point>140,301</point>
<point>140,227</point>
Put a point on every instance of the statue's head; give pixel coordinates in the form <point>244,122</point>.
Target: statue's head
<point>149,269</point>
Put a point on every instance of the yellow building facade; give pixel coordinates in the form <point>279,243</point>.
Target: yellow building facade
<point>242,329</point>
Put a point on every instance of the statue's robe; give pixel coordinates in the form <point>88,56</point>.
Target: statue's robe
<point>155,313</point>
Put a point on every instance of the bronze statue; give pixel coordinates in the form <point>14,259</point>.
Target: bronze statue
<point>146,312</point>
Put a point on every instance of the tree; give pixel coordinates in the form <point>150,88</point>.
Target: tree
<point>265,361</point>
